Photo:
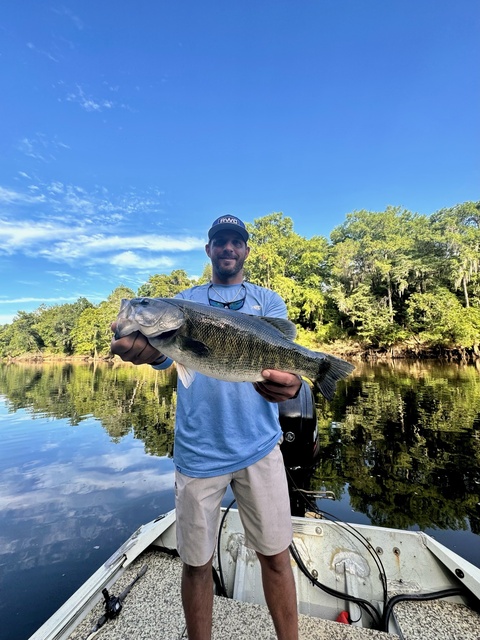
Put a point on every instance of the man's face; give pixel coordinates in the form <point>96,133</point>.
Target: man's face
<point>227,251</point>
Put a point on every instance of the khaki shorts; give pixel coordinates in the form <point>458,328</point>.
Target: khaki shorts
<point>261,492</point>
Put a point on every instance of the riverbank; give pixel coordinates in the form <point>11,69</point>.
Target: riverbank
<point>349,351</point>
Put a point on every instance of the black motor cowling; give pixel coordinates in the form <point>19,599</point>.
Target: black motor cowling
<point>298,419</point>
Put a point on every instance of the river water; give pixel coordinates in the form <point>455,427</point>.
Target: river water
<point>85,458</point>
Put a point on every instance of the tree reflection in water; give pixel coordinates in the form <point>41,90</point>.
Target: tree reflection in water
<point>406,441</point>
<point>85,460</point>
<point>402,439</point>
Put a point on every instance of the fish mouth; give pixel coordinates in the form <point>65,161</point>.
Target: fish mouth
<point>124,329</point>
<point>153,332</point>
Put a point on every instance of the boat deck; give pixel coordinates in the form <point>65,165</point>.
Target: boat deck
<point>153,610</point>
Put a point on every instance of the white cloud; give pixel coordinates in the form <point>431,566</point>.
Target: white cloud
<point>40,147</point>
<point>61,274</point>
<point>89,103</point>
<point>96,207</point>
<point>97,245</point>
<point>78,203</point>
<point>8,196</point>
<point>56,187</point>
<point>65,224</point>
<point>15,235</point>
<point>65,11</point>
<point>37,299</point>
<point>47,54</point>
<point>136,261</point>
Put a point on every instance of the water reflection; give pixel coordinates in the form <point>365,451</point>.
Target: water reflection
<point>404,439</point>
<point>76,480</point>
<point>86,457</point>
<point>124,399</point>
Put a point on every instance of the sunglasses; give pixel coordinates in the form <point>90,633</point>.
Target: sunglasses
<point>234,305</point>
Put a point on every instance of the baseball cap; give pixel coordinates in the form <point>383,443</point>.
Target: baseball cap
<point>228,223</point>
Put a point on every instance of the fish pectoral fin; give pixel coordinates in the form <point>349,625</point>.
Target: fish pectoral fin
<point>199,349</point>
<point>192,346</point>
<point>186,375</point>
<point>285,326</point>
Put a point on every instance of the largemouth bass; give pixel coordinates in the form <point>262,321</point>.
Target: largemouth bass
<point>225,344</point>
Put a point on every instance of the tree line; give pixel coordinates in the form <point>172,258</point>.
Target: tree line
<point>393,281</point>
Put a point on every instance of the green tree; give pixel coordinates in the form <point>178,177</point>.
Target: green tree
<point>369,316</point>
<point>291,265</point>
<point>459,229</point>
<point>206,274</point>
<point>165,285</point>
<point>383,277</point>
<point>87,333</point>
<point>55,324</point>
<point>439,319</point>
<point>270,241</point>
<point>23,337</point>
<point>6,334</point>
<point>378,248</point>
<point>92,334</point>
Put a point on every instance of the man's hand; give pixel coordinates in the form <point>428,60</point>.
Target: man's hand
<point>134,348</point>
<point>278,385</point>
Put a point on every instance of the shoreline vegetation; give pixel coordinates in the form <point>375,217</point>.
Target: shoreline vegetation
<point>390,285</point>
<point>353,352</point>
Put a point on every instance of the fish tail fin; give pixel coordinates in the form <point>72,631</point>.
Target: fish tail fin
<point>329,373</point>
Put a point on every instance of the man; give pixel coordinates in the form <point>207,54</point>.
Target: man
<point>228,433</point>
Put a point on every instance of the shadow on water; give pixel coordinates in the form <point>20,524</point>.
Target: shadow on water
<point>86,457</point>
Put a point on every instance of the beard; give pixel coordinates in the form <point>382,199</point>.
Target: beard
<point>224,271</point>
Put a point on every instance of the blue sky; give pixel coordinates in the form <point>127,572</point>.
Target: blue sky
<point>127,127</point>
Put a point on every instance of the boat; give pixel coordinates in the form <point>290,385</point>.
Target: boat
<point>353,581</point>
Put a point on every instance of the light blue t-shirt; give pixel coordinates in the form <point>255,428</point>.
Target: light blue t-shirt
<point>221,427</point>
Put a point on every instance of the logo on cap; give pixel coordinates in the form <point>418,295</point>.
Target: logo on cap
<point>229,220</point>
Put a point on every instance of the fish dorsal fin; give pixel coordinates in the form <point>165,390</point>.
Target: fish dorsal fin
<point>186,375</point>
<point>285,326</point>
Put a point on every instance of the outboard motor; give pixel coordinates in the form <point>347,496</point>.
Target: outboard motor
<point>300,446</point>
<point>298,419</point>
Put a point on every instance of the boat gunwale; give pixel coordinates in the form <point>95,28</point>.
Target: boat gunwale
<point>61,624</point>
